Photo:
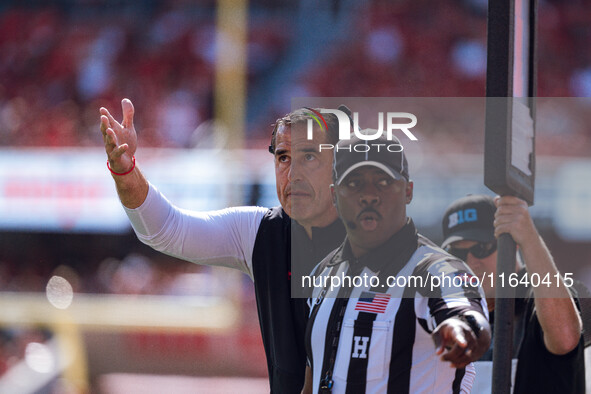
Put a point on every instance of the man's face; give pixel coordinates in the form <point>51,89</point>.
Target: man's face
<point>303,176</point>
<point>372,206</point>
<point>481,266</point>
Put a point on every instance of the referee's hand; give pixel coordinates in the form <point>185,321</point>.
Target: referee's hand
<point>460,343</point>
<point>120,138</point>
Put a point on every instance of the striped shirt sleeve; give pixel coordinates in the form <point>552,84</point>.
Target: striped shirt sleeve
<point>452,293</point>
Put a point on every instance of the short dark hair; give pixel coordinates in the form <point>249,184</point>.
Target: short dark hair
<point>301,116</point>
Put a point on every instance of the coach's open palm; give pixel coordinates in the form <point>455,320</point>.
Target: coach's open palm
<point>120,138</point>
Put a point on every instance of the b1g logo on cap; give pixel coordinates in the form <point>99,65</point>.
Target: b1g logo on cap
<point>345,127</point>
<point>464,216</point>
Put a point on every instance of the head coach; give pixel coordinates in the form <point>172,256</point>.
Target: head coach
<point>378,336</point>
<point>257,241</point>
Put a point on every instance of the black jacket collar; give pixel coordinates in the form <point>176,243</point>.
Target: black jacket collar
<point>331,234</point>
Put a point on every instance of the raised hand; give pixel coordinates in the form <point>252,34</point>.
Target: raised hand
<point>513,217</point>
<point>120,138</point>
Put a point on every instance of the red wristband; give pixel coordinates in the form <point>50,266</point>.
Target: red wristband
<point>123,173</point>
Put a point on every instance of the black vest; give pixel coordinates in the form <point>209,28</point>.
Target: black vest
<point>283,319</point>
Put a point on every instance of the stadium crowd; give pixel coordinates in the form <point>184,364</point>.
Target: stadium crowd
<point>61,63</point>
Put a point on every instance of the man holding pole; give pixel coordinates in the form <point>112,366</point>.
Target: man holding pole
<point>548,341</point>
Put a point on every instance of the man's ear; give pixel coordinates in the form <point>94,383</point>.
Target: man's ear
<point>333,194</point>
<point>409,191</point>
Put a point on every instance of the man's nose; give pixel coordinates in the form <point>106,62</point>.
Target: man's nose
<point>369,196</point>
<point>294,173</point>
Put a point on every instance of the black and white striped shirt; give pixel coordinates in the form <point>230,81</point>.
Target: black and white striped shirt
<point>384,342</point>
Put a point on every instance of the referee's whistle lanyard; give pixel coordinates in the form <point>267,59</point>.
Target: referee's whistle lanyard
<point>335,322</point>
<point>327,383</point>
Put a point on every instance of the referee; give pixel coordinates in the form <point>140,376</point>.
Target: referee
<point>377,336</point>
<point>255,240</point>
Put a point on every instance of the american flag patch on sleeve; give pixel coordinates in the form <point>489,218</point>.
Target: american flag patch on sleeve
<point>372,302</point>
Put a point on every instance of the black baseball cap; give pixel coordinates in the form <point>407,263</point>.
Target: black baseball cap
<point>387,155</point>
<point>469,218</point>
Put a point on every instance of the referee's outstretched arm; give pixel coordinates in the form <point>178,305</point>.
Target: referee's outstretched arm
<point>463,338</point>
<point>120,144</point>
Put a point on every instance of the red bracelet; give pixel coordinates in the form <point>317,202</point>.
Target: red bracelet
<point>124,173</point>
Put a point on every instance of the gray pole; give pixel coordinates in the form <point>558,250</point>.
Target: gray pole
<point>504,311</point>
<point>510,87</point>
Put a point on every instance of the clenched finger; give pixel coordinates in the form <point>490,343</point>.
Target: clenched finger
<point>454,353</point>
<point>458,357</point>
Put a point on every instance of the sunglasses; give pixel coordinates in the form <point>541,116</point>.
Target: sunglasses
<point>480,250</point>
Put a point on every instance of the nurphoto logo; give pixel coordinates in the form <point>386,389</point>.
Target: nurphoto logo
<point>391,119</point>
